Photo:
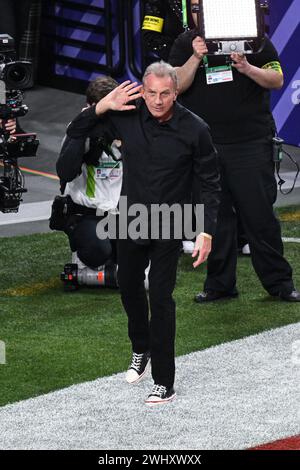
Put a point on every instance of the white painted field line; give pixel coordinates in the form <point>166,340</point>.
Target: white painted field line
<point>232,396</point>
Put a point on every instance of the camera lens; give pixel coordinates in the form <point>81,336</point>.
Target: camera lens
<point>17,74</point>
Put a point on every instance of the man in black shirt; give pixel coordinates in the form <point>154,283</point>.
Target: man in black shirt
<point>234,101</point>
<point>166,152</point>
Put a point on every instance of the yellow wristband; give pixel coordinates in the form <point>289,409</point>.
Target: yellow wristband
<point>153,23</point>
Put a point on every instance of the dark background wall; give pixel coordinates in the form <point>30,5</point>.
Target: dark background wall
<point>81,39</point>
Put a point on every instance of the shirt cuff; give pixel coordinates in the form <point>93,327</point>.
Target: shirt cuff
<point>206,235</point>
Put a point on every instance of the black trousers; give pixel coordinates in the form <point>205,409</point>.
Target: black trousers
<point>156,335</point>
<point>249,184</point>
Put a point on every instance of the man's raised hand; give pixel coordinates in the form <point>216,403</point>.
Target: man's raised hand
<point>118,99</point>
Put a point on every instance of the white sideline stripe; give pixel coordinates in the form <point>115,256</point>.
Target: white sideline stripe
<point>29,212</point>
<point>232,396</point>
<point>291,240</point>
<point>287,240</point>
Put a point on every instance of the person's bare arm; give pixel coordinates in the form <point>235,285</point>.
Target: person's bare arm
<point>266,78</point>
<point>186,73</point>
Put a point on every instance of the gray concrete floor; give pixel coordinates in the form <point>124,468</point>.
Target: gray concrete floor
<point>50,111</point>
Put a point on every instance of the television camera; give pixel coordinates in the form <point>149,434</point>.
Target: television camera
<point>15,76</point>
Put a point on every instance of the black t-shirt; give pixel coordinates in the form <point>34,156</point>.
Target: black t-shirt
<point>170,12</point>
<point>236,111</point>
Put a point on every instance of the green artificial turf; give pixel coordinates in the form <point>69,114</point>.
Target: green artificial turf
<point>54,339</point>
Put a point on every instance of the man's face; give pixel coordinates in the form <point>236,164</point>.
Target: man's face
<point>194,5</point>
<point>159,94</point>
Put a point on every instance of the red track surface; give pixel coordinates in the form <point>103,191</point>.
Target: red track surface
<point>291,443</point>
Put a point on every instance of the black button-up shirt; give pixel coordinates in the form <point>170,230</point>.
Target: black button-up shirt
<point>168,162</point>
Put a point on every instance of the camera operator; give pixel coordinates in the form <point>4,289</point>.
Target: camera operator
<point>92,178</point>
<point>8,126</point>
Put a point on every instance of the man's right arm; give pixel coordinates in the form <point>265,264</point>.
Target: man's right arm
<point>71,156</point>
<point>89,123</point>
<point>119,98</point>
<point>70,159</point>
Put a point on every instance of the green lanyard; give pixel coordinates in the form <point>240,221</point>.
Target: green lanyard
<point>184,15</point>
<point>186,26</point>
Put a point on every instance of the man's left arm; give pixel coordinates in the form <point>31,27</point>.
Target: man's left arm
<point>265,71</point>
<point>206,190</point>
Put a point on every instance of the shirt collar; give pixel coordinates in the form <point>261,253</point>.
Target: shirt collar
<point>173,123</point>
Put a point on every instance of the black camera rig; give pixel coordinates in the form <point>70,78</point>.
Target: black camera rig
<point>15,76</point>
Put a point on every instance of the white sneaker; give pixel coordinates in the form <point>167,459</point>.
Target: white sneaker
<point>188,246</point>
<point>246,250</point>
<point>140,364</point>
<point>160,394</point>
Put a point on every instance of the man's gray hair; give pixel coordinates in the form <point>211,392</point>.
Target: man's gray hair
<point>162,69</point>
